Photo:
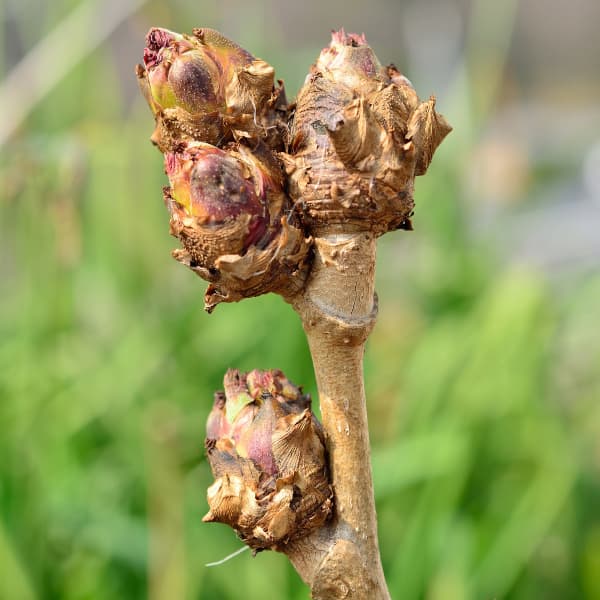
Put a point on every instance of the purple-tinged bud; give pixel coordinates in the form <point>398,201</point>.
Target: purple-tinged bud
<point>230,212</point>
<point>157,39</point>
<point>256,441</point>
<point>351,61</point>
<point>214,186</point>
<point>217,425</point>
<point>271,476</point>
<point>259,382</point>
<point>205,87</point>
<point>214,205</point>
<point>279,386</point>
<point>180,74</point>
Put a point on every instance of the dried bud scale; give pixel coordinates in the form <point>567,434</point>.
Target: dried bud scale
<point>266,451</point>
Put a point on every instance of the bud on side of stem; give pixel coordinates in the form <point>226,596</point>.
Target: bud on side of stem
<point>267,453</point>
<point>230,212</point>
<point>204,87</point>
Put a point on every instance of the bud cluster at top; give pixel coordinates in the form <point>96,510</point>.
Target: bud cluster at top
<point>220,121</point>
<point>252,181</point>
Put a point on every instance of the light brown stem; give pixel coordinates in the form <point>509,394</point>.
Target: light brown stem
<point>338,310</point>
<point>347,152</point>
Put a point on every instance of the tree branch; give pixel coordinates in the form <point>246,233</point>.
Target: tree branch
<point>266,196</point>
<point>338,310</point>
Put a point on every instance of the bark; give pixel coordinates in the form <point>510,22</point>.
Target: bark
<point>338,310</point>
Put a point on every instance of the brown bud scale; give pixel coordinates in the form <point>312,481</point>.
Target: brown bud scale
<point>359,137</point>
<point>269,461</point>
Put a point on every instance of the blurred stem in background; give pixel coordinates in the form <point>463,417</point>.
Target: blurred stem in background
<point>55,55</point>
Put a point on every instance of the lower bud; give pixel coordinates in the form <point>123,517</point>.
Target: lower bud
<point>272,481</point>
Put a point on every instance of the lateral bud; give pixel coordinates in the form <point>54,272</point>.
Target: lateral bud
<point>204,87</point>
<point>266,450</point>
<point>234,221</point>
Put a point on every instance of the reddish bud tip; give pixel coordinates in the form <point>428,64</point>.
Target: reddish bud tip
<point>158,38</point>
<point>347,39</point>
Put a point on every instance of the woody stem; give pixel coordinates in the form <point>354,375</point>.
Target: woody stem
<point>338,310</point>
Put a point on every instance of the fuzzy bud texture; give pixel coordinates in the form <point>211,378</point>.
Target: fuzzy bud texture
<point>266,451</point>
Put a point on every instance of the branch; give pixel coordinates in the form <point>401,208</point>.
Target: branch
<point>338,311</point>
<point>266,196</point>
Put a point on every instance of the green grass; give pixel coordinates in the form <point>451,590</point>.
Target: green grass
<point>482,381</point>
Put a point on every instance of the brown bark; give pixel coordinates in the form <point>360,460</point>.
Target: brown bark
<point>338,310</point>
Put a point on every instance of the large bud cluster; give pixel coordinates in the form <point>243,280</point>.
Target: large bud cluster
<point>266,451</point>
<point>220,122</point>
<point>360,135</point>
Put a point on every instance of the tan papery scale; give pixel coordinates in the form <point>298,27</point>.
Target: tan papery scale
<point>358,139</point>
<point>271,485</point>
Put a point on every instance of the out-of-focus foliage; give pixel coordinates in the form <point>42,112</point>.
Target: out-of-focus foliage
<point>483,373</point>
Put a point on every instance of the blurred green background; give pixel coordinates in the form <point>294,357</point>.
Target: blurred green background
<point>483,373</point>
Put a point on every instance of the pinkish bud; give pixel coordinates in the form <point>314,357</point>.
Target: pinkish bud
<point>228,209</point>
<point>211,188</point>
<point>205,87</point>
<point>180,73</point>
<point>268,460</point>
<point>214,186</point>
<point>350,60</point>
<point>217,425</point>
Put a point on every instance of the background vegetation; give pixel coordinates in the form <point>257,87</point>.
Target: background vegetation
<point>482,374</point>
